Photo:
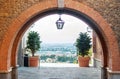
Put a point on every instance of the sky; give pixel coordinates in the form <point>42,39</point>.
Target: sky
<point>49,33</point>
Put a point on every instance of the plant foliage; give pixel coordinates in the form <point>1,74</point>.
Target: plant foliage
<point>33,42</point>
<point>83,44</point>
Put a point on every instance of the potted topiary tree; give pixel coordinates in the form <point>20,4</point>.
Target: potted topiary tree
<point>33,45</point>
<point>83,45</point>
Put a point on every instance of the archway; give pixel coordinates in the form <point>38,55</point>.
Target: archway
<point>94,19</point>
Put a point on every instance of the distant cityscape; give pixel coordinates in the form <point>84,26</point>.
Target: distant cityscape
<point>58,53</point>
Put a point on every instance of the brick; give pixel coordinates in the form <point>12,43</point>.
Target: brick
<point>103,12</point>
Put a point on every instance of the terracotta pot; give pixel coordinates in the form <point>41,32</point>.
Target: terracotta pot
<point>34,61</point>
<point>83,61</point>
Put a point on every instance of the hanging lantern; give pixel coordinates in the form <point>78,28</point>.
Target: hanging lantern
<point>60,23</point>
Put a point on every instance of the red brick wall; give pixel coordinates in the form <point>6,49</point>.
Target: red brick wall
<point>17,13</point>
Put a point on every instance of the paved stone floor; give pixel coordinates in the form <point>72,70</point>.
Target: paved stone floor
<point>59,73</point>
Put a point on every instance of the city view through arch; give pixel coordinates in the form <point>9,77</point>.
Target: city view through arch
<point>58,45</point>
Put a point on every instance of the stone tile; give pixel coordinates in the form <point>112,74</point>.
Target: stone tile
<point>58,73</point>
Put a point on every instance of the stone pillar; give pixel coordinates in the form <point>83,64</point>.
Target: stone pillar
<point>113,74</point>
<point>11,75</point>
<point>104,73</point>
<point>20,59</point>
<point>5,76</point>
<point>96,63</point>
<point>14,73</point>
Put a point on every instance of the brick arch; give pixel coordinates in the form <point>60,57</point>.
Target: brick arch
<point>20,24</point>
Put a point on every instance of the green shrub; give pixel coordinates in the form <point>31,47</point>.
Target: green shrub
<point>83,44</point>
<point>33,42</point>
